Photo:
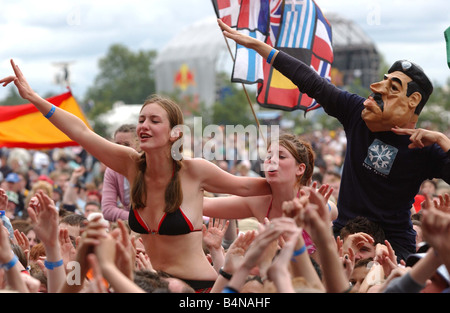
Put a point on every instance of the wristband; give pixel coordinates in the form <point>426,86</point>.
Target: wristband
<point>229,289</point>
<point>10,264</point>
<point>299,251</point>
<point>225,274</point>
<point>52,265</point>
<point>269,58</point>
<point>50,113</point>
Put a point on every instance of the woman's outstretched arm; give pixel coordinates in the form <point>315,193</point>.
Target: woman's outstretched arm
<point>112,155</point>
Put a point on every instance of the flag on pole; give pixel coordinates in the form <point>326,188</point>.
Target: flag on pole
<point>250,17</point>
<point>23,126</point>
<point>297,27</point>
<point>305,34</point>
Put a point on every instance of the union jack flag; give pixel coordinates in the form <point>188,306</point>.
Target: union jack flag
<point>276,9</point>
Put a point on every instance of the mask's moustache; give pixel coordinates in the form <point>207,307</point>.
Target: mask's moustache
<point>377,98</point>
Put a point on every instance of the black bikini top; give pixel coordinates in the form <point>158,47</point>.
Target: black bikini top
<point>171,224</point>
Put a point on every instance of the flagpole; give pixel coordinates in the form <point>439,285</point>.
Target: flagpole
<point>246,93</point>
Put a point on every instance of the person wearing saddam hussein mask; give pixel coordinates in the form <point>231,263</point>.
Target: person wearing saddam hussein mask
<point>387,158</point>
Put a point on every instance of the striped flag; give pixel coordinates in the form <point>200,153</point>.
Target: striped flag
<point>250,17</point>
<point>23,126</point>
<point>297,30</point>
<point>306,35</point>
<point>297,27</point>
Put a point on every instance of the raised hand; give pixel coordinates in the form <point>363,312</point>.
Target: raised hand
<point>19,80</point>
<point>235,254</point>
<point>249,42</point>
<point>45,218</point>
<point>3,200</point>
<point>233,34</point>
<point>213,234</point>
<point>420,137</point>
<point>436,225</point>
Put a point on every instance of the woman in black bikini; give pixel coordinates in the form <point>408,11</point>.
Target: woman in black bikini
<point>167,195</point>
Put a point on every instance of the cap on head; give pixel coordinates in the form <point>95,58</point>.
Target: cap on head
<point>420,81</point>
<point>12,178</point>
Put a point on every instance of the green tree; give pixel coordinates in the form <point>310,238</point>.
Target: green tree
<point>436,113</point>
<point>232,107</point>
<point>124,76</point>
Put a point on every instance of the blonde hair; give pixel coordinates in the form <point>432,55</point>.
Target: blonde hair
<point>173,194</point>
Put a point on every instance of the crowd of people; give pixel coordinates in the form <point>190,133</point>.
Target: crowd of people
<point>70,184</point>
<point>365,208</point>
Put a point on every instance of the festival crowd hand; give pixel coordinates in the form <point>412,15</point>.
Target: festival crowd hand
<point>76,174</point>
<point>91,236</point>
<point>22,240</point>
<point>3,200</point>
<point>142,259</point>
<point>213,234</point>
<point>317,218</point>
<point>443,204</point>
<point>45,219</point>
<point>143,262</point>
<point>24,89</point>
<point>385,255</point>
<point>325,190</point>
<point>213,237</point>
<point>436,224</point>
<point>347,258</point>
<point>96,283</point>
<point>68,250</point>
<point>278,271</point>
<point>107,252</point>
<point>356,241</point>
<point>13,275</point>
<point>126,250</point>
<point>421,138</point>
<point>6,252</point>
<point>236,252</point>
<point>233,34</point>
<point>295,209</point>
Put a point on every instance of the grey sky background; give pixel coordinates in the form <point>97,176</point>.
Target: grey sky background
<point>36,34</point>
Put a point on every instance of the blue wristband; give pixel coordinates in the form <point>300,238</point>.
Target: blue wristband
<point>228,289</point>
<point>10,264</point>
<point>50,113</point>
<point>269,58</point>
<point>52,265</point>
<point>299,251</point>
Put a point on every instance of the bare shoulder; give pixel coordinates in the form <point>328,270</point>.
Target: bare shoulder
<point>198,166</point>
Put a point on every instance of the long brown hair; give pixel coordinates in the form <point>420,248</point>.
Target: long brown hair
<point>173,195</point>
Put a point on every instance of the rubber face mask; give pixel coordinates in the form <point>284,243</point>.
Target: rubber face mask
<point>388,105</point>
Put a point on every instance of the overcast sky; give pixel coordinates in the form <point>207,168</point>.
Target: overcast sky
<point>37,34</point>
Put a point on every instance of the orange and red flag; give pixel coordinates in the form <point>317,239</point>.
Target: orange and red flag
<point>23,126</point>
